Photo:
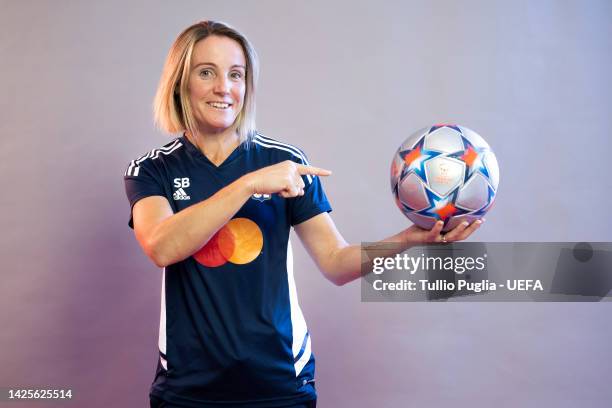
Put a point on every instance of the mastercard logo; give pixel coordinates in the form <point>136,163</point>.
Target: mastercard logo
<point>239,241</point>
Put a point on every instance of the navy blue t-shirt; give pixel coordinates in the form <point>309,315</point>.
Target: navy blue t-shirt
<point>231,330</point>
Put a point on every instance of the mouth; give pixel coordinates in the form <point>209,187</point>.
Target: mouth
<point>219,105</point>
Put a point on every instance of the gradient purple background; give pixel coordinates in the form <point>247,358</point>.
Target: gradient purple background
<point>347,81</point>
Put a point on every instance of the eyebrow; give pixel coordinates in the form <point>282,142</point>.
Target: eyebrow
<point>215,65</point>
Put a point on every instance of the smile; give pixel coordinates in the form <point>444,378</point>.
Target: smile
<point>219,105</point>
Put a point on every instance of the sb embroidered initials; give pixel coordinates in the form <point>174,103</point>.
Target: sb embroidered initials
<point>181,184</point>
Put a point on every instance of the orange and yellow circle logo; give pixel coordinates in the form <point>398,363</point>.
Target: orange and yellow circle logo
<point>239,241</point>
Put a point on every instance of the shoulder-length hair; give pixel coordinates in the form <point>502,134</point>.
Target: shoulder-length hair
<point>172,110</point>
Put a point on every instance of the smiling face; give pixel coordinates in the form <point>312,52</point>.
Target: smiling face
<point>217,83</point>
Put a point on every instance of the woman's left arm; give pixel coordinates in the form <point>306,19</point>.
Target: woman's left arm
<point>342,263</point>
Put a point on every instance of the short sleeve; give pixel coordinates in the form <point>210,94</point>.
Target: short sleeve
<point>313,202</point>
<point>141,182</point>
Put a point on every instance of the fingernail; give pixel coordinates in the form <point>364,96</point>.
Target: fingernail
<point>478,222</point>
<point>465,223</point>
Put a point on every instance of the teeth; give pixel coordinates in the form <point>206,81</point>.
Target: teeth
<point>219,105</point>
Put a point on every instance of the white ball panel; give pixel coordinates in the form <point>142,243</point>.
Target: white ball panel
<point>474,194</point>
<point>444,174</point>
<point>422,220</point>
<point>445,140</point>
<point>412,192</point>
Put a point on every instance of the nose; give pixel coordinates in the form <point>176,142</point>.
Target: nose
<point>222,85</point>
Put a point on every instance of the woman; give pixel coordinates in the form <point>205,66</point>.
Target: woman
<point>214,208</point>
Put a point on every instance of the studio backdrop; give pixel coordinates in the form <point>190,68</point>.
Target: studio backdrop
<point>347,82</point>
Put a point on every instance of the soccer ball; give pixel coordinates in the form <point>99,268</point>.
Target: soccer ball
<point>444,172</point>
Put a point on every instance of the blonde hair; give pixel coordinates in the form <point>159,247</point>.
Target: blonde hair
<point>172,111</point>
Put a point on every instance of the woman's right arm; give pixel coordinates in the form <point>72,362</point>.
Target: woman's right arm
<point>167,238</point>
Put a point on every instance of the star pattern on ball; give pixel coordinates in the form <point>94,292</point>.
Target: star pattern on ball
<point>442,208</point>
<point>415,158</point>
<point>441,174</point>
<point>473,157</point>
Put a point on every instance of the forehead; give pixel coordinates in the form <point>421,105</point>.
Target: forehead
<point>218,50</point>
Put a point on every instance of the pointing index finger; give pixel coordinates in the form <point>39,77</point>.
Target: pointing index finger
<point>315,171</point>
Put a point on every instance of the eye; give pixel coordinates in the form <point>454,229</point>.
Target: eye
<point>206,73</point>
<point>236,75</point>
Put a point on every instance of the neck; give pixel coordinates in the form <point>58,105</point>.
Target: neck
<point>215,146</point>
